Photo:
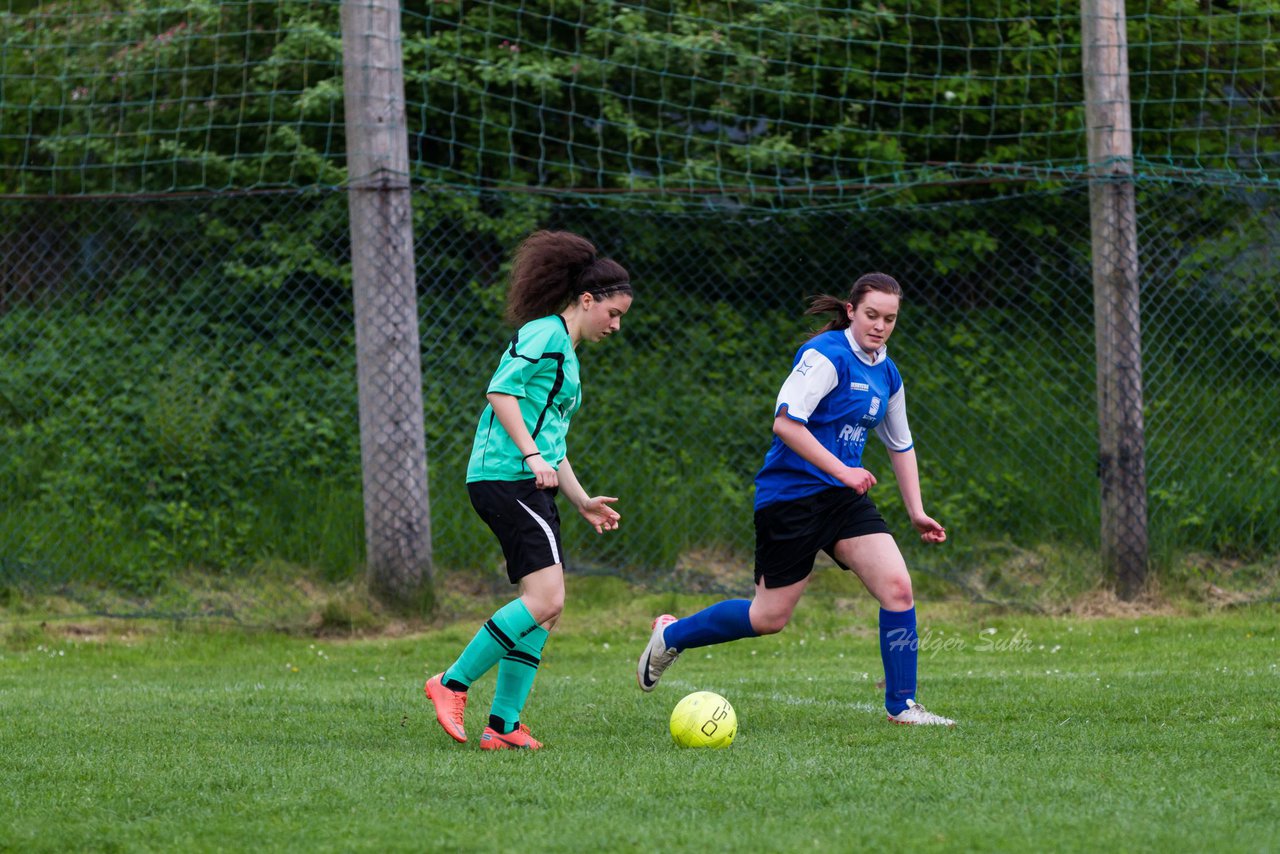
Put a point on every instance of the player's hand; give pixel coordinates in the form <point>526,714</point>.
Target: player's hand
<point>544,476</point>
<point>858,479</point>
<point>598,513</point>
<point>930,531</point>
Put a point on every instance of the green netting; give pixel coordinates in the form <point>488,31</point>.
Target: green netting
<point>136,97</point>
<point>178,391</point>
<point>785,103</point>
<point>757,104</point>
<point>177,387</point>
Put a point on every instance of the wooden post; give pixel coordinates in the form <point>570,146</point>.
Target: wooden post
<point>389,373</point>
<point>1113,219</point>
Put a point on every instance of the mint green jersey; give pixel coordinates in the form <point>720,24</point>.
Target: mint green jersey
<point>541,369</point>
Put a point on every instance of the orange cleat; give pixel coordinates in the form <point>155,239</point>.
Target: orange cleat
<point>517,739</point>
<point>449,706</point>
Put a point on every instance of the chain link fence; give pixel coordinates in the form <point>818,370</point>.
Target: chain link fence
<point>178,393</point>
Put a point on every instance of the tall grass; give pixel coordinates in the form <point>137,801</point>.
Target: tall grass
<point>319,525</point>
<point>126,479</point>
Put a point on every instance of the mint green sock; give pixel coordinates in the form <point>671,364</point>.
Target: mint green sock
<point>497,637</point>
<point>516,672</point>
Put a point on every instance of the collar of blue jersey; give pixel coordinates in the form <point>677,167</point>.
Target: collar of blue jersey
<point>866,358</point>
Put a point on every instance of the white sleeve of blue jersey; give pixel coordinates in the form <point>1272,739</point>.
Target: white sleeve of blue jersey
<point>893,430</point>
<point>810,381</point>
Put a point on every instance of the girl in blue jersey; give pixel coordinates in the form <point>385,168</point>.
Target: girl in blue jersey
<point>811,496</point>
<point>562,293</point>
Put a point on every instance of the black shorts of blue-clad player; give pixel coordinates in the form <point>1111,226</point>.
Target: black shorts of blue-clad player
<point>789,534</point>
<point>524,519</point>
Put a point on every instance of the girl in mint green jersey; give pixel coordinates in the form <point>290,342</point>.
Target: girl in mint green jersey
<point>562,293</point>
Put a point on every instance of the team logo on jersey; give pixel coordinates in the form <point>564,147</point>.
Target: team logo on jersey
<point>803,367</point>
<point>872,411</point>
<point>849,433</point>
<point>859,387</point>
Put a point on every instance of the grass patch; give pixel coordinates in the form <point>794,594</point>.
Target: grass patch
<point>1150,734</point>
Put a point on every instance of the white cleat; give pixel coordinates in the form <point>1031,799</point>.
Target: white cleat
<point>916,715</point>
<point>656,657</point>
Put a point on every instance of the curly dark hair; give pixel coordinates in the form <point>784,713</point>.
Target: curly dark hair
<point>551,268</point>
<point>866,283</point>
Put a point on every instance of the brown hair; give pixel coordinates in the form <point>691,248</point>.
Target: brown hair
<point>866,283</point>
<point>552,268</point>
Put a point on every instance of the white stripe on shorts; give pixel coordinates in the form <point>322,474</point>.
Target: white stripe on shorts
<point>542,523</point>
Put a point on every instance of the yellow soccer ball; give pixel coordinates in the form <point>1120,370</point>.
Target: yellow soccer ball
<point>704,719</point>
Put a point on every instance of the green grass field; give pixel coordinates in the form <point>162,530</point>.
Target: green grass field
<point>1152,734</point>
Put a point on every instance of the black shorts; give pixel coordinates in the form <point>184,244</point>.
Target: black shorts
<point>525,520</point>
<point>790,534</point>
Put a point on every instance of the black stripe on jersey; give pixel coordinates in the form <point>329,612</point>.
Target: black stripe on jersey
<point>523,658</point>
<point>558,358</point>
<point>499,635</point>
<point>555,389</point>
<point>484,460</point>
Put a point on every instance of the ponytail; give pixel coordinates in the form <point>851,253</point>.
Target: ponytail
<point>866,283</point>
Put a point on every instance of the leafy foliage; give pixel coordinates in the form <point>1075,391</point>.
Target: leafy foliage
<point>155,96</point>
<point>765,103</point>
<point>772,104</point>
<point>177,378</point>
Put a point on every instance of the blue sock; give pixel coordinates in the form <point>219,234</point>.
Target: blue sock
<point>899,650</point>
<point>724,621</point>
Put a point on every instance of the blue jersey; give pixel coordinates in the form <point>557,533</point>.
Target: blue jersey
<point>840,393</point>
